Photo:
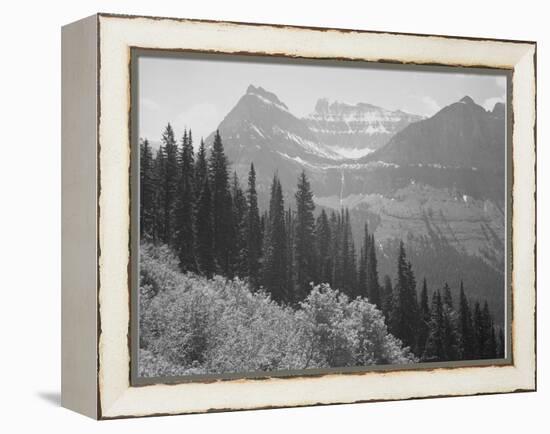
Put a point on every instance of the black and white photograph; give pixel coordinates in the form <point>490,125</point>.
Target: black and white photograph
<point>241,216</point>
<point>301,215</point>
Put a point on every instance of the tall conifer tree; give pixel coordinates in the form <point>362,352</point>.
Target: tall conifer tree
<point>388,300</point>
<point>466,331</point>
<point>201,169</point>
<point>323,248</point>
<point>479,331</point>
<point>501,346</point>
<point>169,183</point>
<point>147,191</point>
<point>447,296</point>
<point>363,259</point>
<point>304,259</point>
<point>373,285</point>
<point>274,270</point>
<point>435,344</point>
<point>492,343</point>
<point>184,214</point>
<point>450,332</point>
<point>159,165</point>
<point>290,235</point>
<point>253,231</point>
<point>221,206</point>
<point>204,232</point>
<point>425,317</point>
<point>336,248</point>
<point>348,260</point>
<point>239,260</point>
<point>405,310</point>
<point>488,345</point>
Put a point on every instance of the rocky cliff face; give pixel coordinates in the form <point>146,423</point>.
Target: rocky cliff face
<point>353,131</point>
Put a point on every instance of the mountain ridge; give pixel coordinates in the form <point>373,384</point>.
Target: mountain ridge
<point>436,182</point>
<point>462,134</point>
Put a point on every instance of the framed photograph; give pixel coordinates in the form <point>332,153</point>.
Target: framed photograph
<point>262,216</point>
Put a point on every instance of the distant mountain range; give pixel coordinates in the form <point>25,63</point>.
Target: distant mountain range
<point>353,131</point>
<point>436,182</point>
<point>333,133</point>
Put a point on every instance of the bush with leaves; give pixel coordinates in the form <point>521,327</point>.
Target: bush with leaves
<point>193,325</point>
<point>341,332</point>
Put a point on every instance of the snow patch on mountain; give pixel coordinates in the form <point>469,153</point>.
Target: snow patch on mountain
<point>341,166</point>
<point>257,131</point>
<point>307,145</point>
<point>350,153</point>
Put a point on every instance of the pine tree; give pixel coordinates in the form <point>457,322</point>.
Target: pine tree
<point>322,246</point>
<point>492,343</point>
<point>363,259</point>
<point>348,261</point>
<point>450,332</point>
<point>336,249</point>
<point>146,191</point>
<point>169,183</point>
<point>447,296</point>
<point>204,232</point>
<point>479,331</point>
<point>388,300</point>
<point>425,317</point>
<point>264,222</point>
<point>488,338</point>
<point>304,259</point>
<point>201,169</point>
<point>240,229</point>
<point>290,229</point>
<point>435,344</point>
<point>373,284</point>
<point>253,231</point>
<point>501,346</point>
<point>352,270</point>
<point>466,332</point>
<point>274,272</point>
<point>159,164</point>
<point>405,310</point>
<point>184,214</point>
<point>221,206</point>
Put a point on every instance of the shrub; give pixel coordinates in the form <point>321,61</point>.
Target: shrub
<point>193,325</point>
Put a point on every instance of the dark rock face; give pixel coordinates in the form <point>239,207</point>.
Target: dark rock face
<point>460,135</point>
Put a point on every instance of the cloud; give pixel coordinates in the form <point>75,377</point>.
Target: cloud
<point>149,104</point>
<point>489,103</point>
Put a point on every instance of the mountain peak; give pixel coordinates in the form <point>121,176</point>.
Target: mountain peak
<point>462,134</point>
<point>325,106</point>
<point>467,100</point>
<point>265,95</point>
<point>322,105</point>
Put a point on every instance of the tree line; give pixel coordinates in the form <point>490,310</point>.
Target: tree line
<point>192,204</point>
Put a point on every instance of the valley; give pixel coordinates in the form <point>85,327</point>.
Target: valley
<point>437,183</point>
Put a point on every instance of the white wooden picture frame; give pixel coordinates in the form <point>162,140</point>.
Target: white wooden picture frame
<point>96,235</point>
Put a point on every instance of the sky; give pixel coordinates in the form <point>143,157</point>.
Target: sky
<point>197,90</point>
